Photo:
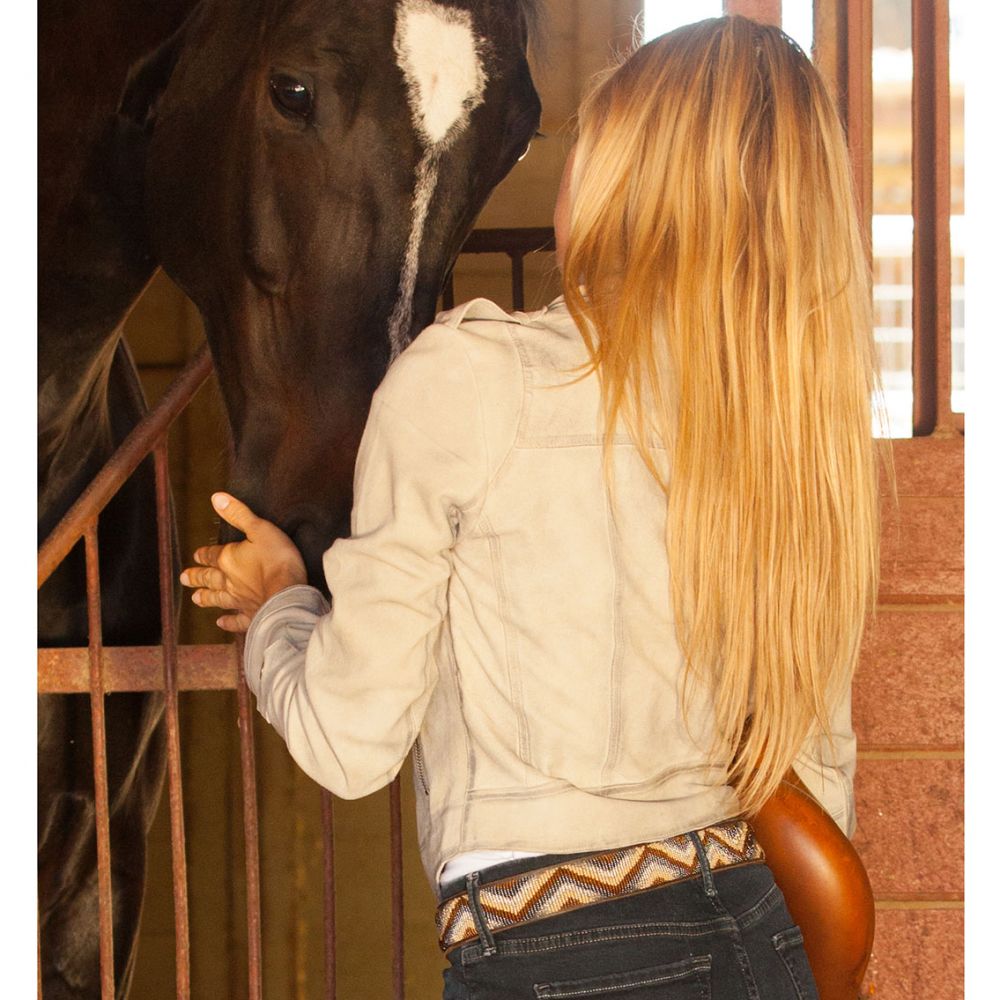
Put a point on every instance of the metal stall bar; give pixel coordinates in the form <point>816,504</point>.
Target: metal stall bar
<point>251,833</point>
<point>81,521</point>
<point>102,819</point>
<point>137,668</point>
<point>329,900</point>
<point>931,221</point>
<point>178,853</point>
<point>517,280</point>
<point>516,244</point>
<point>396,887</point>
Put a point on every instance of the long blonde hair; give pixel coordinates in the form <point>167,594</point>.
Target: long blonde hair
<point>719,279</point>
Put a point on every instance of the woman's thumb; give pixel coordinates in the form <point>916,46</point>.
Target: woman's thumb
<point>235,512</point>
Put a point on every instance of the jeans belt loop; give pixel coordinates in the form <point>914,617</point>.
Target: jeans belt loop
<point>478,916</point>
<point>703,863</point>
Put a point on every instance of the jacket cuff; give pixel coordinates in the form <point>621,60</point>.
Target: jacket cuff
<point>291,605</point>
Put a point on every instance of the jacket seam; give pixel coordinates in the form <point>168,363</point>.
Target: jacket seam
<point>559,787</point>
<point>518,420</point>
<point>512,658</point>
<point>470,759</point>
<point>481,413</point>
<point>617,640</point>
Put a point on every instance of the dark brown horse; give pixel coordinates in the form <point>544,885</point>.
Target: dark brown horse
<point>306,172</point>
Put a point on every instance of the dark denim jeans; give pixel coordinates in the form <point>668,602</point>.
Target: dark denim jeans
<point>722,935</point>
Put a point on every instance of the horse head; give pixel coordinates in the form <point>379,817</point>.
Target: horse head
<point>313,170</point>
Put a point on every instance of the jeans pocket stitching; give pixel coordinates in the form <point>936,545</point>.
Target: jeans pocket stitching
<point>473,952</point>
<point>764,906</point>
<point>612,982</point>
<point>791,950</point>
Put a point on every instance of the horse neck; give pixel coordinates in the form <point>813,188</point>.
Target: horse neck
<point>89,280</point>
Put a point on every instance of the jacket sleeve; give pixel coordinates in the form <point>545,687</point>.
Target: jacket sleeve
<point>827,765</point>
<point>347,686</point>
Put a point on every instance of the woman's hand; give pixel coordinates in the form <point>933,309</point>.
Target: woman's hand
<point>241,576</point>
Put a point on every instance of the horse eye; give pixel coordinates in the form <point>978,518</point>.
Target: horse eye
<point>291,96</point>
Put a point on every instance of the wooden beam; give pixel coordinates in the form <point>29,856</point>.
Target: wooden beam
<point>931,222</point>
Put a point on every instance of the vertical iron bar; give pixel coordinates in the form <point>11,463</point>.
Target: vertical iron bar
<point>251,838</point>
<point>396,885</point>
<point>931,218</point>
<point>856,90</point>
<point>329,899</point>
<point>102,819</point>
<point>517,279</point>
<point>178,853</point>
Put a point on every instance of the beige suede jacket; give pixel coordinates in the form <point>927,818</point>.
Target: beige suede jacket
<point>502,613</point>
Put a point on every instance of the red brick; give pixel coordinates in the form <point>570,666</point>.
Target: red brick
<point>929,467</point>
<point>910,826</point>
<point>918,955</point>
<point>922,548</point>
<point>908,691</point>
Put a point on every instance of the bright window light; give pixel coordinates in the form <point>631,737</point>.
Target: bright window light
<point>662,16</point>
<point>797,21</point>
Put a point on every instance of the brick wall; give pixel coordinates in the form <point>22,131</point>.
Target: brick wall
<point>908,714</point>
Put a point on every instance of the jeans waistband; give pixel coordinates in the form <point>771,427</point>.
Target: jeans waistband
<point>525,889</point>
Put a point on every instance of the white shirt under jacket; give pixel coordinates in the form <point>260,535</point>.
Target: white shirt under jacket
<point>498,611</point>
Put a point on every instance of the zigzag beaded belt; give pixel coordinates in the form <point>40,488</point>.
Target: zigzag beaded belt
<point>544,892</point>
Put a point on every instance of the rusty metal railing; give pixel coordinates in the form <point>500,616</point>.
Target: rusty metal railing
<point>170,668</point>
<point>516,244</point>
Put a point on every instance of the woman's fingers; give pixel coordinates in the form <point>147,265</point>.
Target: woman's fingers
<point>233,623</point>
<point>195,576</point>
<point>237,513</point>
<point>208,555</point>
<point>207,598</point>
<point>240,576</point>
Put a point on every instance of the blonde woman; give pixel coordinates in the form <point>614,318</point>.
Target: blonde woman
<point>610,561</point>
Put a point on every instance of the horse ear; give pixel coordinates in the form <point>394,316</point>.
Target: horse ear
<point>148,78</point>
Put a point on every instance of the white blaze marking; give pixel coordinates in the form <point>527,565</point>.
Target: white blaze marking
<point>439,56</point>
<point>438,53</point>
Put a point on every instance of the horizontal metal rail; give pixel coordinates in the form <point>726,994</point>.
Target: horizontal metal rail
<point>516,244</point>
<point>138,668</point>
